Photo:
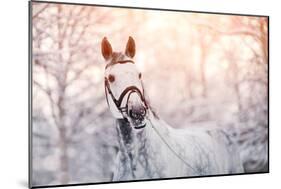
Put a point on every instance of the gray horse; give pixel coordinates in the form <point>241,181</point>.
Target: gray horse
<point>149,148</point>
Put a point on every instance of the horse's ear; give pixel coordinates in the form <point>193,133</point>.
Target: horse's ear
<point>130,47</point>
<point>106,48</point>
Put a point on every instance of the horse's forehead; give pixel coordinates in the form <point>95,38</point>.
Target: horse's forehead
<point>121,69</point>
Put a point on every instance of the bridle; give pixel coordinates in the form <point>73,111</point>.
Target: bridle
<point>129,90</point>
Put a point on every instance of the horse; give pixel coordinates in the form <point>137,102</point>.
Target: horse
<point>149,147</point>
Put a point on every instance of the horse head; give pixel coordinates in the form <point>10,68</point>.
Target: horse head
<point>123,85</point>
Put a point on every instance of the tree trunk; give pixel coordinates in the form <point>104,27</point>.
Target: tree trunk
<point>64,176</point>
<point>63,157</point>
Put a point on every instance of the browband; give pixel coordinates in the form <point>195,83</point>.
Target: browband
<point>119,62</point>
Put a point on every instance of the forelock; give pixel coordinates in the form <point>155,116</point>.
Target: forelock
<point>116,57</point>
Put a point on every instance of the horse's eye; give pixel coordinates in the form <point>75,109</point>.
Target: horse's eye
<point>140,75</point>
<point>111,78</point>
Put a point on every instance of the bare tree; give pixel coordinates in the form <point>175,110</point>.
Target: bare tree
<point>63,54</point>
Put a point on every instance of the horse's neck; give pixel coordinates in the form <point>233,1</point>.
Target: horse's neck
<point>133,143</point>
<point>137,149</point>
<point>136,140</point>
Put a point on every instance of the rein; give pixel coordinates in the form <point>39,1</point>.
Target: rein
<point>169,146</point>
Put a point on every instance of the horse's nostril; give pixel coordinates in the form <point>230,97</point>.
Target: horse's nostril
<point>131,113</point>
<point>142,111</point>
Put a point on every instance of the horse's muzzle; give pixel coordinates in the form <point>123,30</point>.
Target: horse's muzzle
<point>137,114</point>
